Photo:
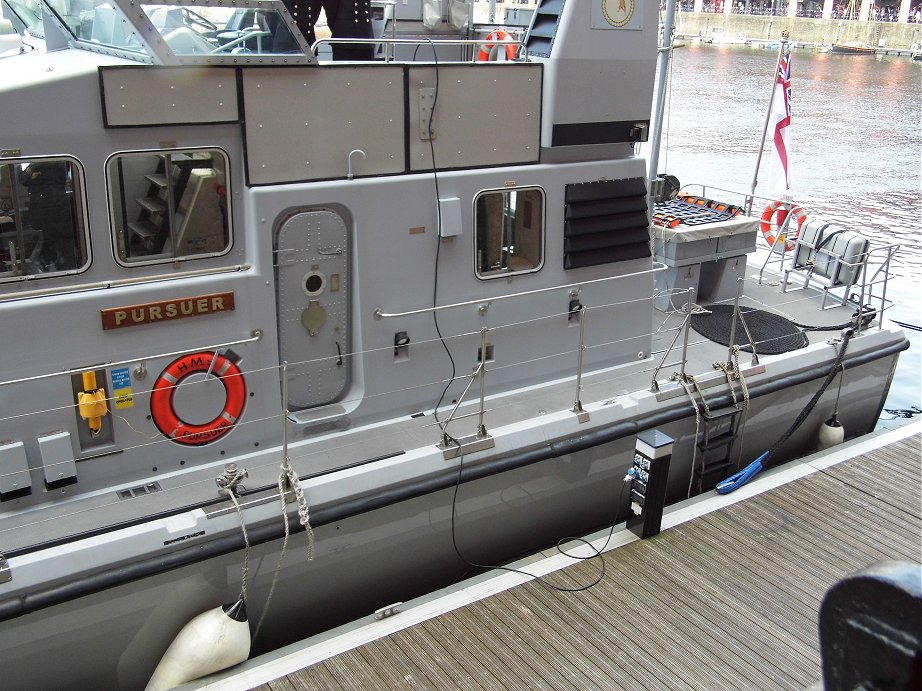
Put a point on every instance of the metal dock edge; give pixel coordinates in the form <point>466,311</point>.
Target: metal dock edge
<point>726,597</point>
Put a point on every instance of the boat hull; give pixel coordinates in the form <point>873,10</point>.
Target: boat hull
<point>840,49</point>
<point>113,638</point>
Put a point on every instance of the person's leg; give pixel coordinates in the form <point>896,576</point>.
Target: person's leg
<point>350,19</point>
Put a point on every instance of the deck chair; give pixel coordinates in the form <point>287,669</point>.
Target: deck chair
<point>829,255</point>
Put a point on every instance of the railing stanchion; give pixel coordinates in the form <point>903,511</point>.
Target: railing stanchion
<point>689,305</point>
<point>654,387</point>
<point>481,429</point>
<point>742,319</point>
<point>578,404</point>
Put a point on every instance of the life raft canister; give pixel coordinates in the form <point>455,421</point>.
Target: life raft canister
<point>486,49</point>
<point>780,211</point>
<point>161,398</point>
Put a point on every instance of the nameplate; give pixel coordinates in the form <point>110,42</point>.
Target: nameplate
<point>166,310</point>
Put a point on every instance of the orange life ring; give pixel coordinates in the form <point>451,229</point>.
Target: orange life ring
<point>781,209</point>
<point>486,49</point>
<point>161,398</point>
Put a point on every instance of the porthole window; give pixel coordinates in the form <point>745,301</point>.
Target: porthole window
<point>169,205</point>
<point>509,226</point>
<point>42,217</point>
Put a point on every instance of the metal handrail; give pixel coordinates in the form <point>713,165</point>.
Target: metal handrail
<point>119,282</point>
<point>522,48</point>
<point>748,197</point>
<point>255,336</point>
<point>379,313</point>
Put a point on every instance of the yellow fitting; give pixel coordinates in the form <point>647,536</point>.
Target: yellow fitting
<point>92,406</point>
<point>89,381</point>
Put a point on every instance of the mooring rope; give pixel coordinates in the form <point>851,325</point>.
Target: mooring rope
<point>288,482</point>
<point>228,482</point>
<point>691,397</point>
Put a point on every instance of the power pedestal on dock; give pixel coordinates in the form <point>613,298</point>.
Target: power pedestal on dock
<point>649,473</point>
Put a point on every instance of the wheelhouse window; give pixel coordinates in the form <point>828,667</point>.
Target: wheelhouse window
<point>42,217</point>
<point>169,205</point>
<point>509,227</point>
<point>217,30</point>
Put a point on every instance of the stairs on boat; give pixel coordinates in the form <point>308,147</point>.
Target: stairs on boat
<point>543,29</point>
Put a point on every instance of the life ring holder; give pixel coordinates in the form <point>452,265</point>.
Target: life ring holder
<point>486,49</point>
<point>164,414</point>
<point>768,228</point>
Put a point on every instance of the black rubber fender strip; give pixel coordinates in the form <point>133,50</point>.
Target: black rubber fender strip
<point>324,515</point>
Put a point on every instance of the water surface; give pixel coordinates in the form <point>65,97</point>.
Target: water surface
<point>857,151</point>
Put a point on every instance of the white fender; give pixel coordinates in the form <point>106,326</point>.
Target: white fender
<point>212,641</point>
<point>831,433</point>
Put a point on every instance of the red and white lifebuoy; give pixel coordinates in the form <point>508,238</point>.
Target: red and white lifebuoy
<point>773,217</point>
<point>487,49</point>
<point>161,398</point>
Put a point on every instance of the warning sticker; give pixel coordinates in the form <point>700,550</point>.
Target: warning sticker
<point>121,388</point>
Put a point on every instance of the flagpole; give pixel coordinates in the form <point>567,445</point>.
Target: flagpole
<point>662,78</point>
<point>768,115</point>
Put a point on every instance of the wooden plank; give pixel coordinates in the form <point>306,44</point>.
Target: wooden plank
<point>727,601</point>
<point>394,666</point>
<point>468,652</point>
<point>351,673</point>
<point>569,638</point>
<point>314,678</point>
<point>737,662</point>
<point>435,661</point>
<point>506,645</point>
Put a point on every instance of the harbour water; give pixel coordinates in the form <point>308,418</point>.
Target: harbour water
<point>857,152</point>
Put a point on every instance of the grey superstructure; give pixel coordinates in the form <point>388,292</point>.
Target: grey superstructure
<point>250,255</point>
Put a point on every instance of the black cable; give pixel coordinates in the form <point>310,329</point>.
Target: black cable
<point>541,579</point>
<point>746,474</point>
<point>902,413</point>
<point>846,337</point>
<point>867,316</point>
<point>904,325</point>
<point>438,241</point>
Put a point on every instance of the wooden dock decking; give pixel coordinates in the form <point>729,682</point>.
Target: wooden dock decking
<point>728,600</point>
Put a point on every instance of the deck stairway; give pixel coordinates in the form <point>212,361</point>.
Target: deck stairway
<point>540,39</point>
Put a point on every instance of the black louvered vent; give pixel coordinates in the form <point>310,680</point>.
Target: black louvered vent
<point>605,222</point>
<point>540,37</point>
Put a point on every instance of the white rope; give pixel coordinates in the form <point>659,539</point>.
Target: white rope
<point>303,515</point>
<point>745,387</point>
<point>691,397</point>
<point>228,482</point>
<point>288,481</point>
<point>738,373</point>
<point>728,373</point>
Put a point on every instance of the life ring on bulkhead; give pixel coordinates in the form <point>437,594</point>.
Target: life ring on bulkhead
<point>487,49</point>
<point>768,227</point>
<point>161,398</point>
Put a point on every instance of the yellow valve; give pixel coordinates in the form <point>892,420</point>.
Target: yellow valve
<point>91,402</point>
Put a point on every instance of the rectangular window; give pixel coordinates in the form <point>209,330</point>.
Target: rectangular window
<point>169,205</point>
<point>509,227</point>
<point>42,217</point>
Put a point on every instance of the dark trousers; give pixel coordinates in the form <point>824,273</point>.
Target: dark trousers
<point>346,19</point>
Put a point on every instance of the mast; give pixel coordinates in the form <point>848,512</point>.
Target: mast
<point>659,107</point>
<point>768,115</point>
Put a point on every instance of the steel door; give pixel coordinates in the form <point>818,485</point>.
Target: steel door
<point>312,275</point>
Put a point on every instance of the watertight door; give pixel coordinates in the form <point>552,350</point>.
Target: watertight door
<point>312,259</point>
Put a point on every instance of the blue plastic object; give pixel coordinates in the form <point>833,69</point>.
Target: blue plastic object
<point>742,477</point>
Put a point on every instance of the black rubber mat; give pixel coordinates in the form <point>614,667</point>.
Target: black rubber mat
<point>772,333</point>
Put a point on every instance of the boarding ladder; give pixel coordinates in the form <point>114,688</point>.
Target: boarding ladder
<point>715,447</point>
